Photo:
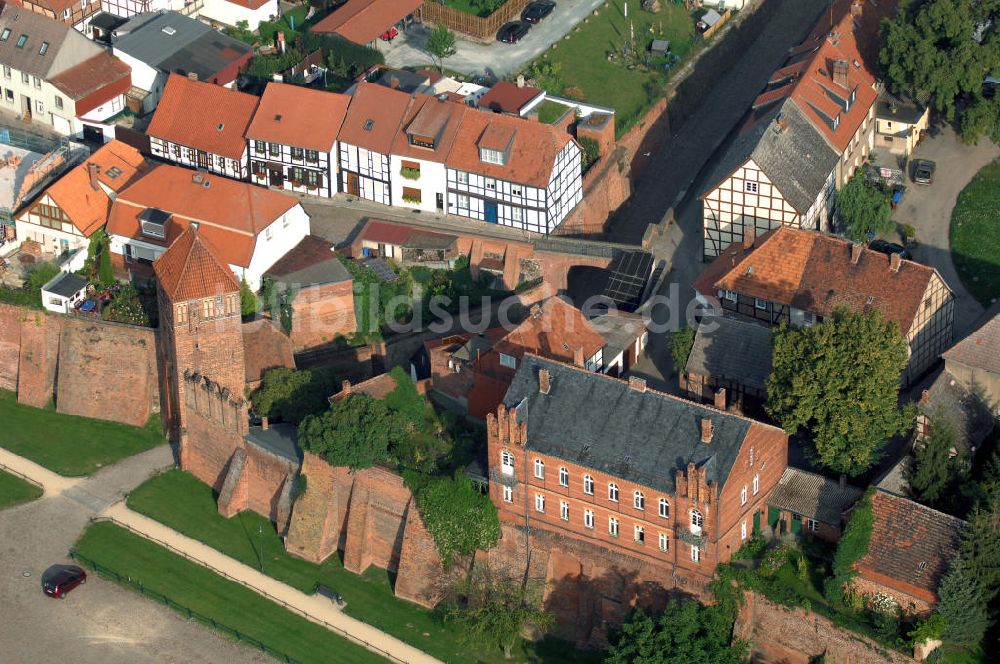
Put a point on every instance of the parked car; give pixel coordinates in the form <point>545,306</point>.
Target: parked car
<point>889,248</point>
<point>513,32</point>
<point>62,580</point>
<point>536,11</point>
<point>923,171</point>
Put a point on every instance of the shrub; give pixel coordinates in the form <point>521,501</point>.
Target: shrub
<point>459,517</point>
<point>753,549</point>
<point>591,151</point>
<point>681,342</point>
<point>289,395</point>
<point>774,560</point>
<point>39,276</point>
<point>908,232</point>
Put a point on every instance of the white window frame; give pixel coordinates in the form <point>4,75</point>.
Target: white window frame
<point>613,524</point>
<point>743,495</point>
<point>729,295</point>
<point>540,502</point>
<point>760,304</point>
<point>563,476</point>
<point>664,542</point>
<point>506,462</point>
<point>756,484</point>
<point>743,530</point>
<point>508,494</point>
<point>639,500</point>
<point>639,534</point>
<point>612,492</point>
<point>664,508</point>
<point>564,510</point>
<point>812,525</point>
<point>588,485</point>
<point>588,519</point>
<point>695,554</point>
<point>697,522</point>
<point>539,469</point>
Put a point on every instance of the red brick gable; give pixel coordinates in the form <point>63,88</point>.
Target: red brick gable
<point>191,269</point>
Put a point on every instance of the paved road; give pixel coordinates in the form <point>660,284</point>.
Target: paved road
<point>928,209</point>
<point>500,60</point>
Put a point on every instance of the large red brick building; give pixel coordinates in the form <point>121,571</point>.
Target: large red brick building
<point>643,474</point>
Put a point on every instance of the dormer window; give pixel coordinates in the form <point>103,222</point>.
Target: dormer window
<point>491,156</point>
<point>836,122</point>
<point>421,141</point>
<point>153,223</point>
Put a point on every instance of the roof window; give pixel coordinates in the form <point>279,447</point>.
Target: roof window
<point>43,48</point>
<point>5,35</point>
<point>113,172</point>
<point>222,125</point>
<point>369,124</point>
<point>21,41</point>
<point>167,30</point>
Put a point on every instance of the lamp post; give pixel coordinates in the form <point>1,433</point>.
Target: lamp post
<point>260,529</point>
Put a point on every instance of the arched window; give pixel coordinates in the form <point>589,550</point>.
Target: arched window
<point>539,469</point>
<point>639,501</point>
<point>756,484</point>
<point>588,485</point>
<point>507,462</point>
<point>563,476</point>
<point>613,492</point>
<point>696,522</point>
<point>743,495</point>
<point>664,508</point>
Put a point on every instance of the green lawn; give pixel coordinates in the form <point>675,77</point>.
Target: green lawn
<point>205,592</point>
<point>587,74</point>
<point>180,501</point>
<point>295,16</point>
<point>67,444</point>
<point>975,235</point>
<point>14,490</point>
<point>551,111</point>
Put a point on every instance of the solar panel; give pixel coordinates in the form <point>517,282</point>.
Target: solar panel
<point>629,273</point>
<point>382,269</point>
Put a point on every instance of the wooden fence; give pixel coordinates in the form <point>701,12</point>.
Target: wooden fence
<point>715,28</point>
<point>468,24</point>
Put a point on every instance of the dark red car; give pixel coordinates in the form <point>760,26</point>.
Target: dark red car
<point>63,580</point>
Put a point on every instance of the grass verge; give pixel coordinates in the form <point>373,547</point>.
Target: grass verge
<point>180,501</point>
<point>975,235</point>
<point>203,591</point>
<point>71,445</point>
<point>14,490</point>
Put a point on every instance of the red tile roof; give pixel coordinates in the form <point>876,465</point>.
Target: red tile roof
<point>87,207</point>
<point>386,232</point>
<point>191,269</point>
<point>231,214</point>
<point>429,117</point>
<point>981,349</point>
<point>379,108</point>
<point>531,156</point>
<point>555,331</point>
<point>813,272</point>
<point>363,21</point>
<point>102,74</point>
<point>249,4</point>
<point>299,116</point>
<point>507,97</point>
<point>178,119</point>
<point>911,547</point>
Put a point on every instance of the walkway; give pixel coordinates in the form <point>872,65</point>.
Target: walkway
<point>103,496</point>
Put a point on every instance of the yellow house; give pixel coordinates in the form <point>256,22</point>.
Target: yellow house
<point>899,124</point>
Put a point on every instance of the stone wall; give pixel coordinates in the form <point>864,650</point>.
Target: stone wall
<point>36,370</point>
<point>257,480</point>
<point>796,636</point>
<point>320,313</point>
<point>606,186</point>
<point>10,345</point>
<point>213,429</point>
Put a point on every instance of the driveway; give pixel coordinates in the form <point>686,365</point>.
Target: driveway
<point>494,59</point>
<point>928,209</point>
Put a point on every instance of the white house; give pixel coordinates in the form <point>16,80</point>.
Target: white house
<point>231,12</point>
<point>293,138</point>
<point>182,132</point>
<point>251,227</point>
<point>63,292</point>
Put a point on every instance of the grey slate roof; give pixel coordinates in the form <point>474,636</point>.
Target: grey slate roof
<point>813,496</point>
<point>603,423</point>
<point>67,47</point>
<point>473,348</point>
<point>734,349</point>
<point>280,439</point>
<point>65,284</point>
<point>966,414</point>
<point>190,47</point>
<point>797,160</point>
<point>979,350</point>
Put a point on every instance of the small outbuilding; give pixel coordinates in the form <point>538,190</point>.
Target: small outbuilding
<point>62,293</point>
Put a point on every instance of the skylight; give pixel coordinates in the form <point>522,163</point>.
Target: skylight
<point>113,172</point>
<point>44,47</point>
<point>369,124</point>
<point>5,34</point>
<point>22,40</point>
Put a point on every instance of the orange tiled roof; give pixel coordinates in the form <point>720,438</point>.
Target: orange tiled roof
<point>180,116</point>
<point>379,108</point>
<point>534,147</point>
<point>363,21</point>
<point>554,331</point>
<point>911,547</point>
<point>507,97</point>
<point>86,206</point>
<point>231,214</point>
<point>191,269</point>
<point>813,272</point>
<point>298,116</point>
<point>101,73</point>
<point>430,117</point>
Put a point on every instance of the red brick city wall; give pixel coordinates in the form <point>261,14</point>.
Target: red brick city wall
<point>321,313</point>
<point>36,373</point>
<point>796,636</point>
<point>10,344</point>
<point>869,583</point>
<point>606,186</point>
<point>256,478</point>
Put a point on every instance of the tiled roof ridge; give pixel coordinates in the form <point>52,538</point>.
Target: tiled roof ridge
<point>655,392</point>
<point>197,220</point>
<point>896,496</point>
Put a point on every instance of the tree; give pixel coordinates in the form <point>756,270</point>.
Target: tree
<point>839,381</point>
<point>963,607</point>
<point>981,118</point>
<point>289,395</point>
<point>681,342</point>
<point>441,44</point>
<point>248,300</point>
<point>936,475</point>
<point>458,516</point>
<point>685,633</point>
<point>356,432</point>
<point>980,550</point>
<point>863,207</point>
<point>491,607</point>
<point>851,548</point>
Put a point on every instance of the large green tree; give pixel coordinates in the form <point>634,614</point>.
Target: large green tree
<point>935,475</point>
<point>963,606</point>
<point>458,516</point>
<point>940,50</point>
<point>441,44</point>
<point>838,382</point>
<point>981,549</point>
<point>864,207</point>
<point>288,395</point>
<point>685,633</point>
<point>357,432</point>
<point>681,342</point>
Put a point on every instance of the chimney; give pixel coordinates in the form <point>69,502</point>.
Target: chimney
<point>840,69</point>
<point>192,76</point>
<point>857,7</point>
<point>281,41</point>
<point>345,387</point>
<point>92,171</point>
<point>196,177</point>
<point>578,356</point>
<point>895,261</point>
<point>637,384</point>
<point>749,237</point>
<point>520,81</point>
<point>925,396</point>
<point>194,225</point>
<point>544,381</point>
<point>706,430</point>
<point>720,398</point>
<point>856,252</point>
<point>264,423</point>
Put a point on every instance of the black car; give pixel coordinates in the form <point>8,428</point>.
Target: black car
<point>536,11</point>
<point>889,248</point>
<point>923,171</point>
<point>513,32</point>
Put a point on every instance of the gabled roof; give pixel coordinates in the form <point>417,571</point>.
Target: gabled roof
<point>39,30</point>
<point>220,132</point>
<point>507,97</point>
<point>640,436</point>
<point>99,73</point>
<point>429,117</point>
<point>373,117</point>
<point>813,496</point>
<point>299,116</point>
<point>117,166</point>
<point>732,349</point>
<point>554,330</point>
<point>912,546</point>
<point>532,147</point>
<point>231,214</point>
<point>191,269</point>
<point>979,350</point>
<point>947,401</point>
<point>362,21</point>
<point>813,272</point>
<point>309,263</point>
